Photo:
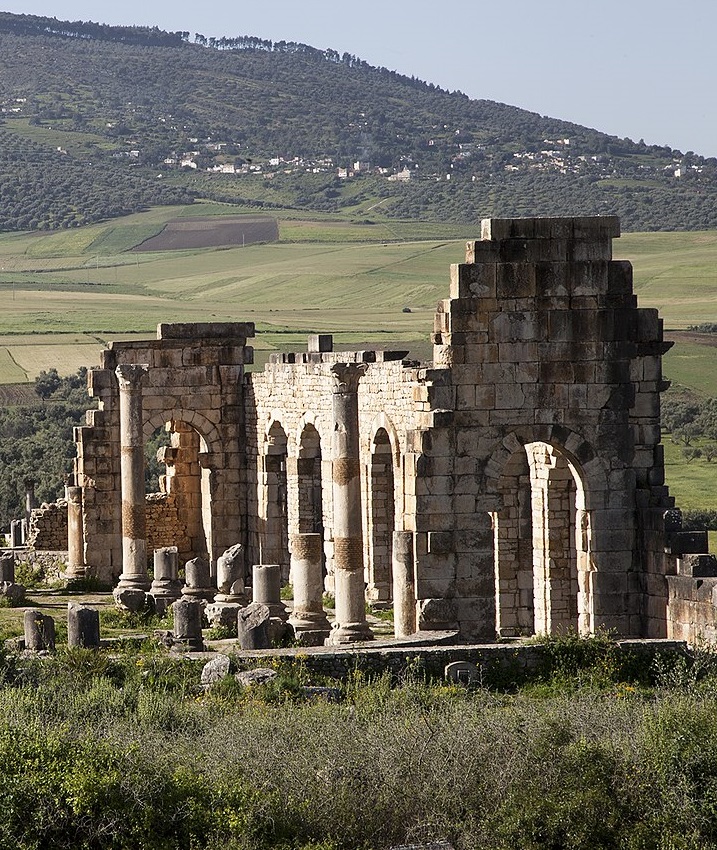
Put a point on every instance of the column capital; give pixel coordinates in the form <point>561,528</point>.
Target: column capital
<point>131,376</point>
<point>346,377</point>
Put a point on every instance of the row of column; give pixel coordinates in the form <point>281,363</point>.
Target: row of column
<point>350,624</point>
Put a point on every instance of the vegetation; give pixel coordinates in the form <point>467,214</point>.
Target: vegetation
<point>126,751</point>
<point>36,441</point>
<point>268,124</point>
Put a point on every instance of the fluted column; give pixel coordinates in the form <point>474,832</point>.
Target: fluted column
<point>134,536</point>
<point>350,624</point>
<point>75,534</point>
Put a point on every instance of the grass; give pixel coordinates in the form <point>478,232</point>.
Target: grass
<point>694,366</point>
<point>589,757</point>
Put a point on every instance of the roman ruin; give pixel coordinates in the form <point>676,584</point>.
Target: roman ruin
<point>513,486</point>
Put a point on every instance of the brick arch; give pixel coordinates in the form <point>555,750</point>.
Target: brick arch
<point>311,418</point>
<point>577,451</point>
<point>381,421</point>
<point>208,433</point>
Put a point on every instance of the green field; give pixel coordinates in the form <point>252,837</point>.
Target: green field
<point>65,294</point>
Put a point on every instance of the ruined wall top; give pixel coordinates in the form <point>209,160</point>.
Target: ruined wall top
<point>544,240</point>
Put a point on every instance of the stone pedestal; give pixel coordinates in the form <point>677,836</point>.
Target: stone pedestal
<point>308,619</point>
<point>188,624</point>
<point>134,543</point>
<point>75,534</point>
<point>253,624</point>
<point>198,581</point>
<point>166,587</point>
<point>14,593</point>
<point>83,626</point>
<point>230,576</point>
<point>267,591</point>
<point>404,589</point>
<point>350,624</point>
<point>39,631</point>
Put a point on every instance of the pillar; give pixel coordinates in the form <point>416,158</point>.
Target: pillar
<point>404,587</point>
<point>350,624</point>
<point>75,534</point>
<point>30,500</point>
<point>188,624</point>
<point>166,587</point>
<point>308,619</point>
<point>134,538</point>
<point>83,626</point>
<point>39,630</point>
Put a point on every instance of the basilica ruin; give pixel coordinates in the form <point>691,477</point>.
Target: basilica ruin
<point>513,486</point>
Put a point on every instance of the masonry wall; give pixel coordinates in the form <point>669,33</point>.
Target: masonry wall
<point>525,460</point>
<point>295,391</point>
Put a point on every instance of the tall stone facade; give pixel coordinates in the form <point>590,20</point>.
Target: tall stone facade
<point>523,467</point>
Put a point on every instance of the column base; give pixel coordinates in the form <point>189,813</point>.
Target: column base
<point>343,633</point>
<point>130,598</point>
<point>311,628</point>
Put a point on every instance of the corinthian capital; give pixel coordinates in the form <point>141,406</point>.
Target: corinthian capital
<point>131,377</point>
<point>346,376</point>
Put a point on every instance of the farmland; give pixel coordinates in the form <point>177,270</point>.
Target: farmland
<point>64,294</point>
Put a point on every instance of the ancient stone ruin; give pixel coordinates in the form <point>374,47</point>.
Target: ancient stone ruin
<point>513,486</point>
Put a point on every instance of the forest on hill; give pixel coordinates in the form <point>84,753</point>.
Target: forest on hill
<point>115,119</point>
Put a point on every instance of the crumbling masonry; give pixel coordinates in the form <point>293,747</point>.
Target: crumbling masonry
<point>520,475</point>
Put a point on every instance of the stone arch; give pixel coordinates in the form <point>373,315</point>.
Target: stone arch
<point>384,506</point>
<point>190,477</point>
<point>309,479</point>
<point>274,497</point>
<point>207,430</point>
<point>545,507</point>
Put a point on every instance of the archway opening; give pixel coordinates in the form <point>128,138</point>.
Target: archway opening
<point>275,543</point>
<point>179,510</point>
<point>382,519</point>
<point>541,545</point>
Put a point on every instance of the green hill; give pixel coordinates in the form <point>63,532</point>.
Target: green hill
<point>135,116</point>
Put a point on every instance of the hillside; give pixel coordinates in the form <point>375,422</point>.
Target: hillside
<point>152,118</point>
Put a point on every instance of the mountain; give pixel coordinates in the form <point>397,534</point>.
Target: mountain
<point>99,120</point>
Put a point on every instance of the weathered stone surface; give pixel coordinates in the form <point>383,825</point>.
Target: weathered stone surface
<point>39,631</point>
<point>257,676</point>
<point>188,624</point>
<point>215,670</point>
<point>253,626</point>
<point>83,626</point>
<point>525,460</point>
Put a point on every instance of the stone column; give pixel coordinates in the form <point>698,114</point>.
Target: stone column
<point>39,630</point>
<point>30,500</point>
<point>166,587</point>
<point>404,588</point>
<point>188,624</point>
<point>308,619</point>
<point>83,626</point>
<point>75,534</point>
<point>350,624</point>
<point>134,576</point>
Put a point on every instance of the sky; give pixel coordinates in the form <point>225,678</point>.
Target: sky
<point>643,69</point>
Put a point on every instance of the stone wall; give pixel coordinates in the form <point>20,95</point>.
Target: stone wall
<point>525,460</point>
<point>48,527</point>
<point>499,664</point>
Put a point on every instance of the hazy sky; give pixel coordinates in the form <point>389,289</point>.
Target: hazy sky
<point>636,68</point>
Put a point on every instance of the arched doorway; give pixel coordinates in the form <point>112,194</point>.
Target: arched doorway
<point>382,518</point>
<point>275,540</point>
<point>541,545</point>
